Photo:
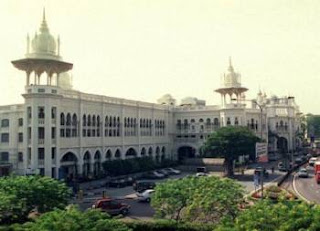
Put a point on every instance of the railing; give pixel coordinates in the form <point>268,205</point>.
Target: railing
<point>41,120</point>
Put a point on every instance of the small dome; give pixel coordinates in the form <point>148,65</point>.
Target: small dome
<point>167,99</point>
<point>65,81</point>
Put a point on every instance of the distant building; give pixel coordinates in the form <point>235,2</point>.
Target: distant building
<point>61,132</point>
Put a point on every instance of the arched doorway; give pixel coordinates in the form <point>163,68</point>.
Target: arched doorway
<point>117,155</point>
<point>131,153</point>
<point>68,166</point>
<point>97,163</point>
<point>143,152</point>
<point>186,152</point>
<point>108,155</point>
<point>150,152</point>
<point>157,155</point>
<point>86,164</point>
<point>282,145</point>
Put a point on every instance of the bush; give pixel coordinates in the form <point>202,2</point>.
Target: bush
<point>168,225</point>
<point>129,166</point>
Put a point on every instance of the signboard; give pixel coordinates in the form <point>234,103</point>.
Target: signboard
<point>262,152</point>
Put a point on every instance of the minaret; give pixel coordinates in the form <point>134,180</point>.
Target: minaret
<point>231,85</point>
<point>43,57</point>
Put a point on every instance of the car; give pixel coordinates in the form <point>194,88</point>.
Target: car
<point>173,171</point>
<point>309,155</point>
<point>158,174</point>
<point>201,174</point>
<point>145,196</point>
<point>298,161</point>
<point>304,158</point>
<point>143,185</point>
<point>312,160</point>
<point>303,173</point>
<point>152,175</point>
<point>117,183</point>
<point>162,171</point>
<point>111,206</point>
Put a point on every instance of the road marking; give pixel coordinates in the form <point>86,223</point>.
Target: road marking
<point>296,191</point>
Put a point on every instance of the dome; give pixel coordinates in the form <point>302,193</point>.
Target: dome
<point>43,43</point>
<point>167,99</point>
<point>65,81</point>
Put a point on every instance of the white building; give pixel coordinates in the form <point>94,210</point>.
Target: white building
<point>59,131</point>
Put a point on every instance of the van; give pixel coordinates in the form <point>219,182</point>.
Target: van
<point>142,185</point>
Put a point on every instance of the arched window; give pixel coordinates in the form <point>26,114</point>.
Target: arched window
<point>89,120</point>
<point>68,119</point>
<point>114,121</point>
<point>208,122</point>
<point>236,121</point>
<point>74,120</point>
<point>216,121</point>
<point>93,120</point>
<point>228,121</point>
<point>281,123</point>
<point>84,120</point>
<point>192,121</point>
<point>106,121</point>
<point>201,120</point>
<point>98,121</point>
<point>62,119</point>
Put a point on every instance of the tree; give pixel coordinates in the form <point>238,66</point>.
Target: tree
<point>21,194</point>
<point>73,219</point>
<point>283,216</point>
<point>230,143</point>
<point>204,199</point>
<point>313,125</point>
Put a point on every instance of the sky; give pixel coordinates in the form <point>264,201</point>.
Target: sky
<point>143,49</point>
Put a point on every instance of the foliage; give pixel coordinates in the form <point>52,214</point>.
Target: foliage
<point>128,166</point>
<point>313,125</point>
<point>201,199</point>
<point>168,225</point>
<point>283,216</point>
<point>73,219</point>
<point>230,143</point>
<point>21,194</point>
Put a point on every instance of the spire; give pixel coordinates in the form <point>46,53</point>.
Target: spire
<point>44,26</point>
<point>230,65</point>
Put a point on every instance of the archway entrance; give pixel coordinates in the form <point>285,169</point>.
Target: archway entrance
<point>97,164</point>
<point>86,164</point>
<point>68,166</point>
<point>131,153</point>
<point>186,152</point>
<point>282,145</point>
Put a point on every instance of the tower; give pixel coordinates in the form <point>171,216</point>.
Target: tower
<point>231,86</point>
<point>44,57</point>
<point>42,101</point>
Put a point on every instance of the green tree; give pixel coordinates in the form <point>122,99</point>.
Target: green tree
<point>21,194</point>
<point>74,220</point>
<point>283,216</point>
<point>230,143</point>
<point>313,125</point>
<point>202,199</point>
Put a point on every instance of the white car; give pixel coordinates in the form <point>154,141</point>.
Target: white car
<point>303,172</point>
<point>312,160</point>
<point>145,195</point>
<point>173,171</point>
<point>158,174</point>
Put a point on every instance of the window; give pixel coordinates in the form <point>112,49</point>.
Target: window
<point>53,133</point>
<point>4,137</point>
<point>41,112</point>
<point>53,153</point>
<point>53,112</point>
<point>4,157</point>
<point>20,122</point>
<point>20,137</point>
<point>29,112</point>
<point>40,133</point>
<point>20,156</point>
<point>5,123</point>
<point>41,153</point>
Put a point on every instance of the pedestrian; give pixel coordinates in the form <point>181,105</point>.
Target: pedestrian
<point>272,169</point>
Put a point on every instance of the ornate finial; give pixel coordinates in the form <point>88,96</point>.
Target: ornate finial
<point>230,65</point>
<point>44,14</point>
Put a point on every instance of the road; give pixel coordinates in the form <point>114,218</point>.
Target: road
<point>143,211</point>
<point>307,188</point>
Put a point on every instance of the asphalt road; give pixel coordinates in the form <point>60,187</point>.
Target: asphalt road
<point>307,187</point>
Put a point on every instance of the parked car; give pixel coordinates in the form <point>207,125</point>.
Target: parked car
<point>312,161</point>
<point>117,183</point>
<point>309,155</point>
<point>145,196</point>
<point>298,161</point>
<point>304,158</point>
<point>112,206</point>
<point>173,171</point>
<point>282,167</point>
<point>159,174</point>
<point>152,175</point>
<point>163,172</point>
<point>143,185</point>
<point>303,173</point>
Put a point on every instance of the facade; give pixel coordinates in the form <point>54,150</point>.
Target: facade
<point>59,131</point>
